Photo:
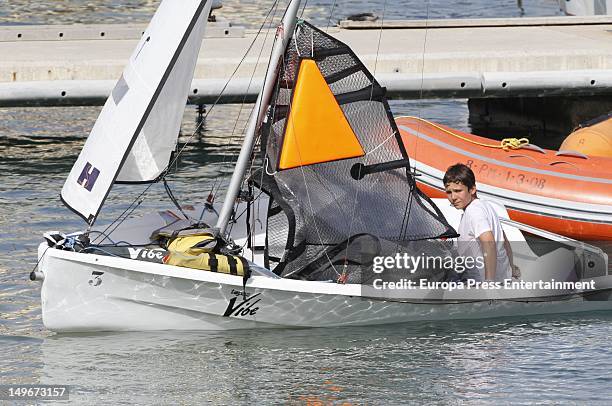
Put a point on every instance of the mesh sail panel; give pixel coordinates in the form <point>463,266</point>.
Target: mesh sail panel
<point>322,220</point>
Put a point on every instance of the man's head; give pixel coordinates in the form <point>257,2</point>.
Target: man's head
<point>460,185</point>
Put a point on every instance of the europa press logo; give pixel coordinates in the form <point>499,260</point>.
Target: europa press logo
<point>88,176</point>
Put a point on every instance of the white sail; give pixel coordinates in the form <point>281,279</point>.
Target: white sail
<point>136,131</point>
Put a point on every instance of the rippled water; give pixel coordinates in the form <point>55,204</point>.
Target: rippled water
<point>538,360</point>
<point>544,361</point>
<point>251,12</point>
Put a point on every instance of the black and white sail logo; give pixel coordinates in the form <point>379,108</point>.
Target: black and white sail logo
<point>88,176</point>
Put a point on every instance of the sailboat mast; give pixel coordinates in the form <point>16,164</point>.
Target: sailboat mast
<point>263,100</point>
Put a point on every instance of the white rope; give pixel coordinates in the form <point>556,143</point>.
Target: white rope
<point>266,161</point>
<point>381,144</point>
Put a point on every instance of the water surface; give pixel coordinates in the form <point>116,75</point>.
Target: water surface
<point>554,359</point>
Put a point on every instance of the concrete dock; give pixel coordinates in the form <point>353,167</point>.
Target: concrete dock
<point>72,65</point>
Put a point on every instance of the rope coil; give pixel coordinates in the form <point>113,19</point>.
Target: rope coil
<point>513,143</point>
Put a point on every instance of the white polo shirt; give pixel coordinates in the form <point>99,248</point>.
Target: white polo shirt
<point>479,217</point>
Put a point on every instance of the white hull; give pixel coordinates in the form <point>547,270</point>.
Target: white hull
<point>136,295</point>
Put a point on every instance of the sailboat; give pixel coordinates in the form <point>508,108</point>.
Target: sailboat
<point>329,193</point>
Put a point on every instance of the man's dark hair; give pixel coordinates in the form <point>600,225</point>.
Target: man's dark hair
<point>459,173</point>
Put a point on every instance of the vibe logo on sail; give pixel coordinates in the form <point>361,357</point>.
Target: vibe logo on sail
<point>88,176</point>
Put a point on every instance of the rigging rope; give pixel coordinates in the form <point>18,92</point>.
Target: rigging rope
<point>303,9</point>
<point>506,144</point>
<point>139,199</point>
<point>219,181</point>
<point>344,275</point>
<point>382,21</point>
<point>173,199</point>
<point>331,13</point>
<point>408,209</point>
<point>416,147</point>
<point>278,34</point>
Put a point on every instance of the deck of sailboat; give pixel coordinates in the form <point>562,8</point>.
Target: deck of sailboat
<point>101,292</point>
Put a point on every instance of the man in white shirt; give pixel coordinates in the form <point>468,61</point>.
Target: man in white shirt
<point>480,231</point>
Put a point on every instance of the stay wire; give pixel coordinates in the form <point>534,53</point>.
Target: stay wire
<point>122,217</point>
<point>382,22</point>
<point>138,200</point>
<point>40,259</point>
<point>303,9</point>
<point>273,10</point>
<point>126,214</point>
<point>257,135</point>
<point>366,158</point>
<point>260,107</point>
<point>280,34</point>
<point>331,13</point>
<point>408,209</point>
<point>420,108</point>
<point>225,86</point>
<point>173,199</point>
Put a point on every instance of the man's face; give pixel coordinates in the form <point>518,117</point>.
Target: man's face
<point>459,195</point>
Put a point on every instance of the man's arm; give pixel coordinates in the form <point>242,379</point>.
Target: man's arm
<point>487,244</point>
<point>515,270</point>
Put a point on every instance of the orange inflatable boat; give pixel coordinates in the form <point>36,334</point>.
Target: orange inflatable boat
<point>566,192</point>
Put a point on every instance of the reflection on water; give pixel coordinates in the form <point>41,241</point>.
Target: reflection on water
<point>540,359</point>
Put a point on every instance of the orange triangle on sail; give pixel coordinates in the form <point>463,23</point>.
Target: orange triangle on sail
<point>317,130</point>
